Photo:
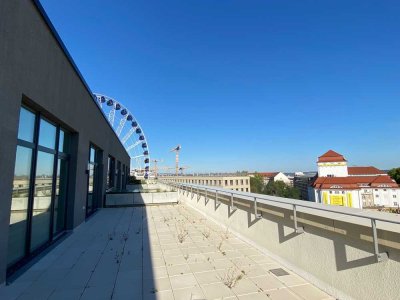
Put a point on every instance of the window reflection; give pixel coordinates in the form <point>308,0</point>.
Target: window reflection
<point>26,126</point>
<point>33,199</point>
<point>47,134</point>
<point>63,143</point>
<point>60,200</point>
<point>19,205</point>
<point>42,199</point>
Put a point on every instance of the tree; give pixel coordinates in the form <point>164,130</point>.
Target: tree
<point>257,184</point>
<point>281,189</point>
<point>395,174</point>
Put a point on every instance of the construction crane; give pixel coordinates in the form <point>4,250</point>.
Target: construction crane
<point>155,161</point>
<point>177,149</point>
<point>183,168</point>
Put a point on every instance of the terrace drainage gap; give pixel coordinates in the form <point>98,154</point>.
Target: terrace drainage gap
<point>279,272</point>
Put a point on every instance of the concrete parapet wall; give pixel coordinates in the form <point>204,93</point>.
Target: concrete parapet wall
<point>334,253</point>
<point>129,199</point>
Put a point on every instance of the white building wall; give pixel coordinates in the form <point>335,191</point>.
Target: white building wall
<point>337,169</point>
<point>282,177</point>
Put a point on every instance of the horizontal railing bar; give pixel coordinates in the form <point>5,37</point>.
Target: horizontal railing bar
<point>285,201</point>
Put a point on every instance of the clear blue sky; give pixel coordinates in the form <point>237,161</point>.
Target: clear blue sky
<point>246,85</point>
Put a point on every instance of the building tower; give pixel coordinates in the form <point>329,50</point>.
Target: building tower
<point>332,164</point>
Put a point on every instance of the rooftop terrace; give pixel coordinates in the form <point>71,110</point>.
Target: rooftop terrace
<point>157,252</point>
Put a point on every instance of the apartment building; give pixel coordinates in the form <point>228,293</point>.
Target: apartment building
<point>231,182</point>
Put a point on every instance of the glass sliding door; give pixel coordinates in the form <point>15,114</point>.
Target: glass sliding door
<point>19,205</point>
<point>40,187</point>
<point>41,211</point>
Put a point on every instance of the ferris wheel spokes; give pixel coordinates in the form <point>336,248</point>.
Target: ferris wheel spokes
<point>125,126</point>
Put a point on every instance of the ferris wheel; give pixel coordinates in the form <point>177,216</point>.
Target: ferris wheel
<point>129,132</point>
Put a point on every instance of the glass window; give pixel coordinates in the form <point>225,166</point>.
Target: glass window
<point>41,214</point>
<point>60,201</point>
<point>63,143</point>
<point>47,134</point>
<point>19,205</point>
<point>26,126</point>
<point>92,155</point>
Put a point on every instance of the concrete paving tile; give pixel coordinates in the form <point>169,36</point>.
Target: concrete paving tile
<point>244,286</point>
<point>250,251</point>
<point>183,281</point>
<point>14,290</point>
<point>102,292</point>
<point>222,264</point>
<point>158,262</point>
<point>174,260</point>
<point>216,290</point>
<point>162,295</point>
<point>191,250</point>
<point>282,294</point>
<point>192,293</point>
<point>261,259</point>
<point>254,296</point>
<point>291,280</point>
<point>172,252</point>
<point>207,277</point>
<point>309,292</point>
<point>127,290</point>
<point>36,293</point>
<point>178,269</point>
<point>155,272</point>
<point>255,271</point>
<point>156,285</point>
<point>267,282</point>
<point>66,294</point>
<point>201,267</point>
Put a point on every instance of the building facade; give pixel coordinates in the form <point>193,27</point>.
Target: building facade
<point>301,181</point>
<point>236,183</point>
<point>58,153</point>
<point>274,176</point>
<point>360,187</point>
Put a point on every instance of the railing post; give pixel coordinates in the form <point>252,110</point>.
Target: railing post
<point>217,202</point>
<point>191,190</point>
<point>256,214</point>
<point>297,229</point>
<point>198,194</point>
<point>233,207</point>
<point>379,256</point>
<point>205,196</point>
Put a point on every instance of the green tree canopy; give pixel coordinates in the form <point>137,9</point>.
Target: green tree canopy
<point>281,189</point>
<point>395,174</point>
<point>257,184</point>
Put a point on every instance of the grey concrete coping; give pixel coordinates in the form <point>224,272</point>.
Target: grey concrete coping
<point>387,221</point>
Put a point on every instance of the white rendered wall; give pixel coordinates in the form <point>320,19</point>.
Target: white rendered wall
<point>336,169</point>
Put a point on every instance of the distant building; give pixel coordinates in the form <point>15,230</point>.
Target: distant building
<point>231,182</point>
<point>360,187</point>
<point>302,182</point>
<point>273,176</point>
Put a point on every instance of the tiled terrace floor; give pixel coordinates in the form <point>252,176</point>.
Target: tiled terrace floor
<point>157,252</point>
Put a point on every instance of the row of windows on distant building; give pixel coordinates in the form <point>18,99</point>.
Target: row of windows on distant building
<point>214,182</point>
<point>365,191</point>
<point>218,182</point>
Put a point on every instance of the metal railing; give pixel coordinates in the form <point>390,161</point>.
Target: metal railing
<point>284,203</point>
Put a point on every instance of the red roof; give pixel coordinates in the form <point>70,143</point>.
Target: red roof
<point>354,182</point>
<point>331,156</point>
<point>268,174</point>
<point>364,171</point>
